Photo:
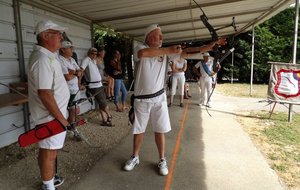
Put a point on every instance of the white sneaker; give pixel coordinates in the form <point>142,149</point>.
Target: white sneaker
<point>163,168</point>
<point>131,163</point>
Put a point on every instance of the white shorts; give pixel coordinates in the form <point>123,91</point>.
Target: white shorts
<point>53,143</point>
<point>157,112</point>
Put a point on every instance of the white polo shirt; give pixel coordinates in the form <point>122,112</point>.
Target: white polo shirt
<point>91,72</point>
<point>44,72</point>
<point>150,74</point>
<point>70,64</point>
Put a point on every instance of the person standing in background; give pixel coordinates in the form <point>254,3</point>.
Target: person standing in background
<point>73,75</point>
<point>94,81</point>
<point>105,78</point>
<point>178,79</point>
<point>117,74</point>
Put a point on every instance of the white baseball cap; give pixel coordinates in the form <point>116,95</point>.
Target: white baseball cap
<point>46,25</point>
<point>150,29</point>
<point>66,44</point>
<point>206,54</point>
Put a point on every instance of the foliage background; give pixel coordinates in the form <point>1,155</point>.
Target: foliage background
<point>273,42</point>
<point>110,40</point>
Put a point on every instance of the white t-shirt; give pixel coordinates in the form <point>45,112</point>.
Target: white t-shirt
<point>179,63</point>
<point>70,64</point>
<point>44,72</point>
<point>150,74</point>
<point>91,71</point>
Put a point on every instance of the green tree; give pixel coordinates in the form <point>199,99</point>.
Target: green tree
<point>107,38</point>
<point>273,42</point>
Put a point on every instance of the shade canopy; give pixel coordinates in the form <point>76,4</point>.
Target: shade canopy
<point>179,19</point>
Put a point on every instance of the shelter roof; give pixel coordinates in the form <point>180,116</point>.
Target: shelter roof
<point>179,19</point>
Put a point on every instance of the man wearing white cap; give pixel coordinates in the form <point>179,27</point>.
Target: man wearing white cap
<point>207,78</point>
<point>48,97</point>
<point>150,101</point>
<point>94,81</point>
<point>73,75</point>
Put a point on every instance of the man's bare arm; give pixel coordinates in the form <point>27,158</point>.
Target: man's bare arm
<point>187,52</point>
<point>153,52</point>
<point>70,75</point>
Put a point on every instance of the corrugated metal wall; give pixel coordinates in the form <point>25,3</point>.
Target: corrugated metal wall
<point>11,117</point>
<point>78,33</point>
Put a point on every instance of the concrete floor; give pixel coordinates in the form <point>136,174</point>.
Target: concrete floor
<point>214,153</point>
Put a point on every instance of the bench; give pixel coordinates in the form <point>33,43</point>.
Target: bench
<point>13,98</point>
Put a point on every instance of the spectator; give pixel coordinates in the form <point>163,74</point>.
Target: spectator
<point>178,79</point>
<point>104,76</point>
<point>117,74</point>
<point>93,79</point>
<point>73,75</point>
<point>188,73</point>
<point>48,98</point>
<point>74,54</point>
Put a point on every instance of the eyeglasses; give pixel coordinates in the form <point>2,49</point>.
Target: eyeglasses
<point>55,32</point>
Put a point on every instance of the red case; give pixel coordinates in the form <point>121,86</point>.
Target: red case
<point>41,132</point>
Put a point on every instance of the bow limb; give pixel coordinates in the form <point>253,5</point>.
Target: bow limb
<point>214,38</point>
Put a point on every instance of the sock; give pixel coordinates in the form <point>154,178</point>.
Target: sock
<point>49,184</point>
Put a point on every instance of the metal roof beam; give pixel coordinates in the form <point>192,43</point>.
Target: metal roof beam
<point>194,20</point>
<point>165,11</point>
<point>189,29</point>
<point>57,10</point>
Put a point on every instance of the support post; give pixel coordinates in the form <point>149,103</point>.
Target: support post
<point>290,116</point>
<point>252,61</point>
<point>232,64</point>
<point>92,34</point>
<point>20,47</point>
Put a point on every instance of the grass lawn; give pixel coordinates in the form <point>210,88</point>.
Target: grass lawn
<point>242,90</point>
<point>277,139</point>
